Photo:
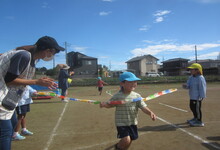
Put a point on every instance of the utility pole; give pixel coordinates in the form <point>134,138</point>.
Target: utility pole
<point>54,62</point>
<point>66,45</point>
<point>110,65</point>
<point>195,53</point>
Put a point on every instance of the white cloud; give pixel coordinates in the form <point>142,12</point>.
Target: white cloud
<point>159,19</point>
<point>160,14</point>
<point>103,57</point>
<point>118,65</point>
<point>144,28</point>
<point>212,55</point>
<point>156,49</point>
<point>170,41</point>
<point>104,13</point>
<point>45,5</point>
<point>79,49</point>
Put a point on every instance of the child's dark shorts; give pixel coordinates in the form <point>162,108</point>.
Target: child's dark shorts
<point>124,131</point>
<point>23,109</point>
<point>100,88</point>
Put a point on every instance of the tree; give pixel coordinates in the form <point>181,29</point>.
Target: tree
<point>51,72</point>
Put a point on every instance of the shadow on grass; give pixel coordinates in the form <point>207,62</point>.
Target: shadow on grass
<point>212,145</point>
<point>165,127</point>
<point>214,138</point>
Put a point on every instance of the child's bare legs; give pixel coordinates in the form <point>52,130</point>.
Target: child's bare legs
<point>21,122</point>
<point>124,143</point>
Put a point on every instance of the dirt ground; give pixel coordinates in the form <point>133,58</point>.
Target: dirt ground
<point>83,126</point>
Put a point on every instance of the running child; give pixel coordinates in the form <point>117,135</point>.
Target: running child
<point>197,92</point>
<point>100,85</point>
<point>126,114</point>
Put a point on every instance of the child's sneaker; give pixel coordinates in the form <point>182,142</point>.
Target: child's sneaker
<point>18,137</point>
<point>197,124</point>
<point>26,132</point>
<point>65,101</point>
<point>191,120</point>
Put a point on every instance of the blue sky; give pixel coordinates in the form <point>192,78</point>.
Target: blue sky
<point>115,31</point>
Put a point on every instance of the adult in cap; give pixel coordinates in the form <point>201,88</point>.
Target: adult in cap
<point>63,80</point>
<point>17,69</point>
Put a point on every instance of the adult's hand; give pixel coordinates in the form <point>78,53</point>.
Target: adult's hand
<point>48,82</point>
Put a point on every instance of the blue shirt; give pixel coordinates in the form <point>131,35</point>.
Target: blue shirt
<point>197,87</point>
<point>26,98</point>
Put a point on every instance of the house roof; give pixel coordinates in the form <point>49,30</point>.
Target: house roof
<point>140,58</point>
<point>204,61</point>
<point>175,59</point>
<point>81,56</point>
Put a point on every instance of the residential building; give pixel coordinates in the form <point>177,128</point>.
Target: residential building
<point>210,66</point>
<point>218,57</point>
<point>142,65</point>
<point>82,65</point>
<point>174,67</point>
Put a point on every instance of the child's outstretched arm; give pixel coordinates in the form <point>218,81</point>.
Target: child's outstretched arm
<point>146,110</point>
<point>105,104</point>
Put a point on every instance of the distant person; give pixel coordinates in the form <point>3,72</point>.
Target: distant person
<point>22,109</point>
<point>17,69</point>
<point>126,114</point>
<point>63,80</point>
<point>197,92</point>
<point>100,85</point>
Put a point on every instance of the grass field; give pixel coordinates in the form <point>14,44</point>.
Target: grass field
<point>83,126</point>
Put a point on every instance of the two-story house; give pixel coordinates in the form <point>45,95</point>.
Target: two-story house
<point>83,66</point>
<point>142,65</point>
<point>210,66</point>
<point>174,67</point>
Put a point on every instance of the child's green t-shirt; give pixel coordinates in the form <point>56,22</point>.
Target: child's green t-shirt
<point>127,114</point>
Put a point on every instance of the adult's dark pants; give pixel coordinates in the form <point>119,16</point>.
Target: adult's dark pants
<point>63,91</point>
<point>6,132</point>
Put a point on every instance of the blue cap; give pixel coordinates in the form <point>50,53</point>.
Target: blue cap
<point>128,76</point>
<point>99,78</point>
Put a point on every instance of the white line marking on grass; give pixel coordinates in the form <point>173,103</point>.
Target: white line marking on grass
<point>189,133</point>
<point>109,92</point>
<point>55,128</point>
<point>173,107</point>
<point>185,131</point>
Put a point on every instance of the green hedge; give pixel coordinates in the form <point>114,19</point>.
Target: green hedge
<point>144,80</point>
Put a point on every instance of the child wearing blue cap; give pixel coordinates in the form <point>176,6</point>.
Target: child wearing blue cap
<point>126,114</point>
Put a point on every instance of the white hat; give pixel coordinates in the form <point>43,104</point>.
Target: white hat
<point>65,66</point>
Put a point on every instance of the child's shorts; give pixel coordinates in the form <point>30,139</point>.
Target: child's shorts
<point>100,88</point>
<point>124,131</point>
<point>23,109</point>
